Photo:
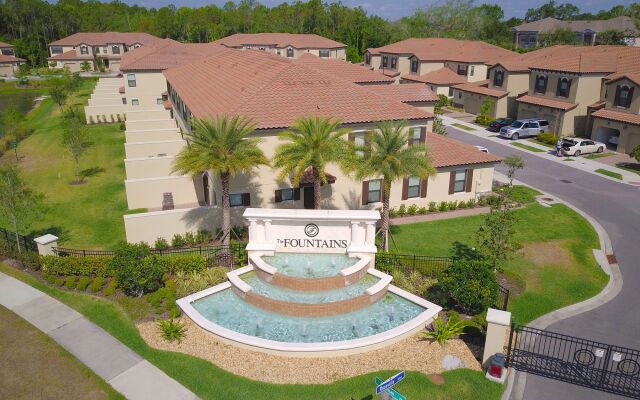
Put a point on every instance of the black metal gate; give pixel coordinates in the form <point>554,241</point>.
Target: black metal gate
<point>596,365</point>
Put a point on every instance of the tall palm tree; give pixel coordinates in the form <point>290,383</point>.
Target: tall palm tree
<point>221,145</point>
<point>389,157</point>
<point>313,143</point>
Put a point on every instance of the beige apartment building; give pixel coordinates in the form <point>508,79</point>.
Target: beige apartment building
<point>289,45</point>
<point>274,92</point>
<point>437,62</point>
<point>9,63</point>
<point>96,48</point>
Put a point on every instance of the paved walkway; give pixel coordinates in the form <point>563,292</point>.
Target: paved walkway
<point>580,163</point>
<point>122,368</point>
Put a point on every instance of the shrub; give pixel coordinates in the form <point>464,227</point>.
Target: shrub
<point>172,330</point>
<point>414,282</point>
<point>470,284</point>
<point>483,120</point>
<point>136,270</point>
<point>171,264</point>
<point>462,204</point>
<point>412,210</point>
<point>203,237</point>
<point>191,282</point>
<point>482,201</point>
<point>402,210</point>
<point>161,244</point>
<point>59,281</point>
<point>190,239</point>
<point>177,241</point>
<point>97,284</point>
<point>164,300</point>
<point>123,127</point>
<point>393,213</point>
<point>433,206</point>
<point>453,205</point>
<point>71,282</point>
<point>110,290</point>
<point>83,283</point>
<point>422,210</point>
<point>443,331</point>
<point>549,138</point>
<point>29,260</point>
<point>84,266</point>
<point>471,203</point>
<point>444,206</point>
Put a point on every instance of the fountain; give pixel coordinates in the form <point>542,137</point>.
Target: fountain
<point>311,287</point>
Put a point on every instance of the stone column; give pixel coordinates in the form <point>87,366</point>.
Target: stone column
<point>252,230</point>
<point>267,230</point>
<point>371,234</point>
<point>497,326</point>
<point>355,225</point>
<point>46,244</point>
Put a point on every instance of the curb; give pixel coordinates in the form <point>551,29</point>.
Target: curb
<point>516,381</point>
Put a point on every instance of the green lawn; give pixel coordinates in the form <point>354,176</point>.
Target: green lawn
<point>210,382</point>
<point>534,140</point>
<point>466,128</point>
<point>527,147</point>
<point>87,215</point>
<point>11,88</point>
<point>609,173</point>
<point>555,267</point>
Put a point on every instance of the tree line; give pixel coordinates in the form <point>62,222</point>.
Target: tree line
<point>31,24</point>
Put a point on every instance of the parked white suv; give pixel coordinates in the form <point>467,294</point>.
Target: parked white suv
<point>577,146</point>
<point>524,127</point>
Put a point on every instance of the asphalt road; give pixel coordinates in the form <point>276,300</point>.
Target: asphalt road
<point>616,207</point>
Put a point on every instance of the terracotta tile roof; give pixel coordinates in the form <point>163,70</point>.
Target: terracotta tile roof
<point>627,118</point>
<point>5,45</point>
<point>622,23</point>
<point>297,40</point>
<point>441,49</point>
<point>447,152</point>
<point>166,53</point>
<point>544,102</point>
<point>275,91</point>
<point>405,92</point>
<point>598,104</point>
<point>70,55</point>
<point>478,89</point>
<point>351,72</point>
<point>105,38</point>
<point>10,59</point>
<point>374,51</point>
<point>441,76</point>
<point>632,76</point>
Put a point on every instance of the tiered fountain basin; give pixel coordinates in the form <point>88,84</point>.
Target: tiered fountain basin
<point>309,304</point>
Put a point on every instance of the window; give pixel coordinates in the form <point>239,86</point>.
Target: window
<point>394,62</point>
<point>385,61</point>
<point>460,94</point>
<point>6,51</point>
<point>278,52</point>
<point>159,101</point>
<point>287,194</point>
<point>564,85</point>
<point>290,52</point>
<point>124,100</point>
<point>206,189</point>
<point>135,102</point>
<point>324,53</point>
<point>367,58</point>
<point>239,199</point>
<point>131,80</point>
<point>462,69</point>
<point>360,139</point>
<point>56,50</point>
<point>413,189</point>
<point>84,50</point>
<point>414,65</point>
<point>375,191</point>
<point>498,77</point>
<point>450,92</point>
<point>96,50</point>
<point>473,68</point>
<point>460,181</point>
<point>115,49</point>
<point>624,94</point>
<point>415,136</point>
<point>541,84</point>
<point>104,50</point>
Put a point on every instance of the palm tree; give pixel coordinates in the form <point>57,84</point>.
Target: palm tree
<point>390,158</point>
<point>221,145</point>
<point>313,143</point>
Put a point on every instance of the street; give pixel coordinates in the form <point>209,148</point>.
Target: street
<point>617,208</point>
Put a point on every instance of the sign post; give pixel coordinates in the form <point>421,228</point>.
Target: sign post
<point>384,389</point>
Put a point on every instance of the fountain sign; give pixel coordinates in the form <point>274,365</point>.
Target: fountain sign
<point>385,388</point>
<point>311,231</point>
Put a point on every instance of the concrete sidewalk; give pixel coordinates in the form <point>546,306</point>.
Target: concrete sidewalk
<point>122,368</point>
<point>580,163</point>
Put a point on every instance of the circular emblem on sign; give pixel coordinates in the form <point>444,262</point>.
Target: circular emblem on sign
<point>311,230</point>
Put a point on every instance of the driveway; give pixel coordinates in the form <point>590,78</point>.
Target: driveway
<point>616,207</point>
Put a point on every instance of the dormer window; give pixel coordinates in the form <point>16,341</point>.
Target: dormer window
<point>462,70</point>
<point>115,49</point>
<point>624,95</point>
<point>498,77</point>
<point>84,50</point>
<point>541,84</point>
<point>324,53</point>
<point>564,84</point>
<point>394,62</point>
<point>473,70</point>
<point>290,52</point>
<point>385,61</point>
<point>414,65</point>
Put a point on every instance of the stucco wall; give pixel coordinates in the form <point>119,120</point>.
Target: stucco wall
<point>147,114</point>
<point>148,193</point>
<point>153,135</point>
<point>611,95</point>
<point>149,167</point>
<point>629,134</point>
<point>148,125</point>
<point>7,69</point>
<point>100,113</point>
<point>148,149</point>
<point>149,88</point>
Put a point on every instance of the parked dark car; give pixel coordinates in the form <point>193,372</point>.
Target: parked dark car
<point>496,124</point>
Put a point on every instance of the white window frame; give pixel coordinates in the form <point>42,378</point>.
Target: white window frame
<point>411,185</point>
<point>135,102</point>
<point>129,80</point>
<point>378,191</point>
<point>457,180</point>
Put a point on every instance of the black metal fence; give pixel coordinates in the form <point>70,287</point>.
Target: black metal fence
<point>8,241</point>
<point>583,362</point>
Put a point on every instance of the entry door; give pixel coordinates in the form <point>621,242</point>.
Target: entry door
<point>308,197</point>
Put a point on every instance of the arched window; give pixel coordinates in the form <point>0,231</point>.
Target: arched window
<point>498,77</point>
<point>624,94</point>
<point>541,84</point>
<point>564,84</point>
<point>290,52</point>
<point>115,49</point>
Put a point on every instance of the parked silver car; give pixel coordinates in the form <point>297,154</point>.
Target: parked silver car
<point>577,146</point>
<point>524,128</point>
